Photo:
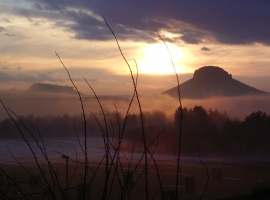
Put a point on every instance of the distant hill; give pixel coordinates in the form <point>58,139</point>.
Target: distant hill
<point>51,88</point>
<point>212,81</point>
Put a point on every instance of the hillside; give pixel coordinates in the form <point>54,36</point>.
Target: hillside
<point>212,81</point>
<point>50,88</point>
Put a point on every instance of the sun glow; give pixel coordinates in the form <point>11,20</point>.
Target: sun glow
<point>156,59</point>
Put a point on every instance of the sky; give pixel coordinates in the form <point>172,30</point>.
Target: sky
<point>230,34</point>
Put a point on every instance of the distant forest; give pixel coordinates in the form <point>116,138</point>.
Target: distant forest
<point>213,131</point>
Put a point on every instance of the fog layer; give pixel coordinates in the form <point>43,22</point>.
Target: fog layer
<point>42,105</point>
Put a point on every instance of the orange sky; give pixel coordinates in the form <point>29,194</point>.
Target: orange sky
<point>31,31</point>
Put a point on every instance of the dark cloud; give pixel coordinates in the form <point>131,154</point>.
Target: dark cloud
<point>2,28</point>
<point>10,35</point>
<point>231,22</point>
<point>37,6</point>
<point>7,20</point>
<point>190,40</point>
<point>19,68</point>
<point>3,64</point>
<point>205,49</point>
<point>89,27</point>
<point>36,24</point>
<point>50,5</point>
<point>6,68</point>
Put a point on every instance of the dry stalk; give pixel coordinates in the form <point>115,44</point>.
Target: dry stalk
<point>30,147</point>
<point>180,125</point>
<point>85,133</point>
<point>207,173</point>
<point>140,109</point>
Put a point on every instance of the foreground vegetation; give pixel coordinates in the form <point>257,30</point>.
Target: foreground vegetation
<point>115,173</point>
<point>117,176</point>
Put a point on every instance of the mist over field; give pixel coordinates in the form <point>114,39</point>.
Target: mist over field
<point>236,107</point>
<point>48,104</point>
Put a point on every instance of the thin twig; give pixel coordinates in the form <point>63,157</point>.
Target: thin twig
<point>180,124</point>
<point>106,142</point>
<point>85,133</point>
<point>207,173</point>
<point>44,153</point>
<point>28,144</point>
<point>141,115</point>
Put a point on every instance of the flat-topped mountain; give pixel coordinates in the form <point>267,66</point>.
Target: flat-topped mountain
<point>212,81</point>
<point>51,88</point>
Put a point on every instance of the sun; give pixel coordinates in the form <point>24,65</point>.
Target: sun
<point>155,59</point>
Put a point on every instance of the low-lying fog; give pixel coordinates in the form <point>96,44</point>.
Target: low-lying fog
<point>96,151</point>
<point>41,105</point>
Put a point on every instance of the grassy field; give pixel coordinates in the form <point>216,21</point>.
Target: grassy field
<point>225,180</point>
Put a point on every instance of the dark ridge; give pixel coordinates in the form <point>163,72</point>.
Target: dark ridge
<point>210,81</point>
<point>211,72</point>
<point>51,88</point>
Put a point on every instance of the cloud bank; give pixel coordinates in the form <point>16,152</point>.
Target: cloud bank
<point>192,22</point>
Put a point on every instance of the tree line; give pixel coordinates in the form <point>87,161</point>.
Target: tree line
<point>212,130</point>
<point>217,134</point>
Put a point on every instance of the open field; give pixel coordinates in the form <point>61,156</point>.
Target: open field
<point>237,179</point>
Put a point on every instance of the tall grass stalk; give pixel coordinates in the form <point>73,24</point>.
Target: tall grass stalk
<point>141,114</point>
<point>180,125</point>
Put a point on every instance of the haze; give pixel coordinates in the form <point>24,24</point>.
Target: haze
<point>43,105</point>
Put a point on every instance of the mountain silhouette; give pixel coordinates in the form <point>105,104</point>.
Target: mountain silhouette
<point>212,81</point>
<point>51,88</point>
